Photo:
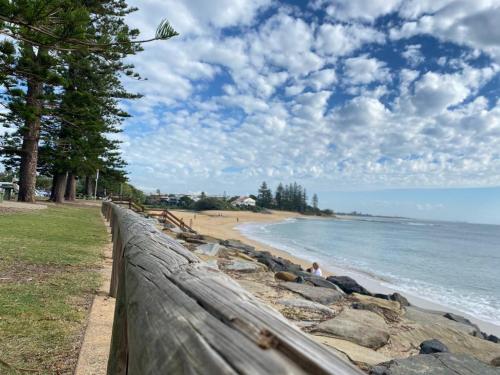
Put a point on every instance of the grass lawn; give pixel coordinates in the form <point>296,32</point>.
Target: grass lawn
<point>49,261</point>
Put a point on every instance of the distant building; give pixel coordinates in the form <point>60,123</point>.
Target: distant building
<point>243,201</point>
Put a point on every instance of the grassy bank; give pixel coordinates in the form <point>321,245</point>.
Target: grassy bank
<point>49,263</point>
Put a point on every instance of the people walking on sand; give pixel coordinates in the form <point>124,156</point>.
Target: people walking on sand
<point>315,270</point>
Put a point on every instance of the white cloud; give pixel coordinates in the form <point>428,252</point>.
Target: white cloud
<point>322,79</point>
<point>289,98</point>
<point>342,40</point>
<point>413,54</point>
<point>436,92</point>
<point>364,10</point>
<point>470,23</point>
<point>364,70</point>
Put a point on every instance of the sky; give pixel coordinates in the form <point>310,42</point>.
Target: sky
<point>382,106</point>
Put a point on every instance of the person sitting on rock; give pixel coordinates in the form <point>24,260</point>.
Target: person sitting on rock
<point>315,270</point>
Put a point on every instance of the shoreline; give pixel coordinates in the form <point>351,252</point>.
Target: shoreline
<point>226,227</point>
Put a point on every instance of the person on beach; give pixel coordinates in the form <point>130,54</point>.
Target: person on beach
<point>315,270</point>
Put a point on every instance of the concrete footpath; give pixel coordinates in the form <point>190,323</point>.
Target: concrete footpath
<point>93,358</point>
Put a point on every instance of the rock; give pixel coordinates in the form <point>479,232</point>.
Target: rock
<point>304,311</point>
<point>186,235</point>
<point>390,310</point>
<point>307,305</point>
<point>382,304</point>
<point>435,364</point>
<point>348,285</point>
<point>399,298</point>
<point>319,281</point>
<point>314,293</point>
<point>195,240</point>
<point>381,296</point>
<point>212,263</point>
<point>237,244</point>
<point>362,327</point>
<point>361,356</point>
<point>242,266</point>
<point>495,362</point>
<point>285,276</point>
<point>277,264</point>
<point>475,331</point>
<point>491,338</point>
<point>211,249</point>
<point>420,325</point>
<point>433,346</point>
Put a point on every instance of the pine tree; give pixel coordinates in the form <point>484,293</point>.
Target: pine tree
<point>315,202</point>
<point>265,196</point>
<point>43,31</point>
<point>278,196</point>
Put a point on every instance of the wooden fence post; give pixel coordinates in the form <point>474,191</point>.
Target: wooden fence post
<point>175,315</point>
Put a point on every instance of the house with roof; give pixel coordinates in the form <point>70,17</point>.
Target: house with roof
<point>243,201</point>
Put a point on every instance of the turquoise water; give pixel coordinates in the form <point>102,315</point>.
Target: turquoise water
<point>453,264</point>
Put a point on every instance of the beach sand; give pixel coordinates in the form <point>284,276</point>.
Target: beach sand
<point>222,225</point>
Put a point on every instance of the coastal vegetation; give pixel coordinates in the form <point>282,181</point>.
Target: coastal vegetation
<point>290,197</point>
<point>49,272</point>
<point>62,65</point>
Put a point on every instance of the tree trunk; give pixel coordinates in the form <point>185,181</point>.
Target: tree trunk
<point>70,194</point>
<point>59,187</point>
<point>31,135</point>
<point>89,186</point>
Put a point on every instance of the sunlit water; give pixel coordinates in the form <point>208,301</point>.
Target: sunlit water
<point>453,264</point>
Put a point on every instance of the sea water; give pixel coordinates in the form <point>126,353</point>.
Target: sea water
<point>451,264</point>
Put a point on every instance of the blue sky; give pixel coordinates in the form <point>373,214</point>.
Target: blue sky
<point>350,98</point>
<point>386,106</point>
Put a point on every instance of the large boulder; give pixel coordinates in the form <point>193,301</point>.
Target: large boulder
<point>348,285</point>
<point>393,297</point>
<point>319,281</point>
<point>237,244</point>
<point>211,249</point>
<point>302,310</point>
<point>435,364</point>
<point>314,293</point>
<point>390,310</point>
<point>244,266</point>
<point>393,306</point>
<point>475,331</point>
<point>285,276</point>
<point>433,346</point>
<point>491,338</point>
<point>359,355</point>
<point>277,264</point>
<point>420,325</point>
<point>362,327</point>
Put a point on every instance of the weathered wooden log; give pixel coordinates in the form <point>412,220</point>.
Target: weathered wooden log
<point>176,315</point>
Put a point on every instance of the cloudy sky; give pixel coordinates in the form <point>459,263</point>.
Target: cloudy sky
<point>388,106</point>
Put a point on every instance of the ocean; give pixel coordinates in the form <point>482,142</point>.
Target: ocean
<point>452,264</point>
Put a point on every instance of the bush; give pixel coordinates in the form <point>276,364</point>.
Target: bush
<point>211,203</point>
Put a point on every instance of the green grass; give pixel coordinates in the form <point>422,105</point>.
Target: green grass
<point>49,262</point>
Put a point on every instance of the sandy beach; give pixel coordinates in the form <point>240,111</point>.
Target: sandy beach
<point>223,225</point>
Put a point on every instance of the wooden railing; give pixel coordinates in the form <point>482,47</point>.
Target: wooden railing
<point>176,315</point>
<point>168,216</point>
<point>128,202</point>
